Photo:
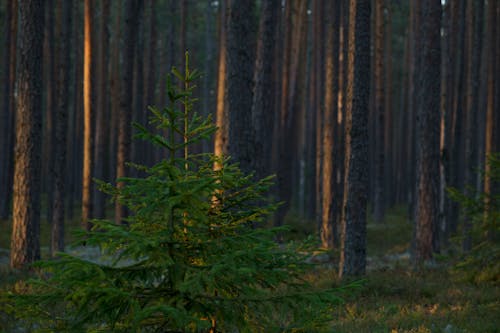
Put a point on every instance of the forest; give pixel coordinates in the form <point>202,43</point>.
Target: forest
<point>250,166</point>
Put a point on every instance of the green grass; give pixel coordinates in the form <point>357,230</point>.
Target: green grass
<point>394,298</point>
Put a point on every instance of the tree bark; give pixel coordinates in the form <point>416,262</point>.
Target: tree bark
<point>25,242</point>
<point>239,80</point>
<point>132,8</point>
<point>263,105</point>
<point>101,130</point>
<point>380,106</point>
<point>330,116</point>
<point>428,129</point>
<point>7,114</point>
<point>89,114</point>
<point>60,125</point>
<point>353,246</point>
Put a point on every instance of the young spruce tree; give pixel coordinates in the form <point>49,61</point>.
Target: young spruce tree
<point>189,259</point>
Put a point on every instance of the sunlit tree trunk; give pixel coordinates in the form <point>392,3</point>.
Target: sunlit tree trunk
<point>221,116</point>
<point>25,242</point>
<point>330,117</point>
<point>89,110</point>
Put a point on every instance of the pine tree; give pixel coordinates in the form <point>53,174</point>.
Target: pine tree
<point>182,263</point>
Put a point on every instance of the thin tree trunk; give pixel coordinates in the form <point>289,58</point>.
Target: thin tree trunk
<point>102,116</point>
<point>380,108</point>
<point>60,125</point>
<point>7,113</point>
<point>221,117</point>
<point>89,111</point>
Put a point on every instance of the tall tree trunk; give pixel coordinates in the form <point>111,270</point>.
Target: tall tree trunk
<point>330,117</point>
<point>427,199</point>
<point>25,242</point>
<point>60,125</point>
<point>263,105</point>
<point>475,12</point>
<point>239,80</point>
<point>49,72</point>
<point>288,124</point>
<point>353,249</point>
<point>89,111</point>
<point>380,107</point>
<point>7,114</point>
<point>101,130</point>
<point>221,116</point>
<point>132,8</point>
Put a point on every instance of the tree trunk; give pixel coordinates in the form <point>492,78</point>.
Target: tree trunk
<point>25,242</point>
<point>60,125</point>
<point>7,114</point>
<point>428,129</point>
<point>329,223</point>
<point>380,106</point>
<point>475,12</point>
<point>263,105</point>
<point>239,80</point>
<point>353,250</point>
<point>221,117</point>
<point>101,130</point>
<point>89,110</point>
<point>132,8</point>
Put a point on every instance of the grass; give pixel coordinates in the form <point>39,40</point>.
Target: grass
<point>393,298</point>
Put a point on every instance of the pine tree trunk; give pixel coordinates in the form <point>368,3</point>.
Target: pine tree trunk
<point>353,249</point>
<point>329,223</point>
<point>379,175</point>
<point>60,125</point>
<point>103,115</point>
<point>25,242</point>
<point>239,80</point>
<point>428,129</point>
<point>132,8</point>
<point>7,113</point>
<point>263,105</point>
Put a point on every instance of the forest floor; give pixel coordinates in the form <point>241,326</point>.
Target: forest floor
<point>393,298</point>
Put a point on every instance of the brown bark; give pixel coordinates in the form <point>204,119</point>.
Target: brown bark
<point>25,243</point>
<point>330,116</point>
<point>221,117</point>
<point>353,244</point>
<point>89,114</point>
<point>102,113</point>
<point>428,129</point>
<point>7,114</point>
